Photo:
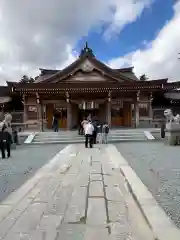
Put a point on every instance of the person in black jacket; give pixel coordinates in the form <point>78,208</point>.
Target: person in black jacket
<point>55,123</point>
<point>5,142</point>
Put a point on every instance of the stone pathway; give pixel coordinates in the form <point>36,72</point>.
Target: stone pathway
<point>78,195</point>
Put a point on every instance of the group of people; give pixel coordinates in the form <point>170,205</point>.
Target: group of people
<point>94,132</point>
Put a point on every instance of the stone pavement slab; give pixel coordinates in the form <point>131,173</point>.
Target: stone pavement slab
<point>77,206</point>
<point>79,195</point>
<point>22,165</point>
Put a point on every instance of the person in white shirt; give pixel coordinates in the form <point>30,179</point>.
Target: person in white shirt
<point>83,124</point>
<point>88,130</point>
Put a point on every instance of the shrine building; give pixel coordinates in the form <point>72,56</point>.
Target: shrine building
<point>89,87</point>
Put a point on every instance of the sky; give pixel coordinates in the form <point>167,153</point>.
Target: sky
<point>50,34</point>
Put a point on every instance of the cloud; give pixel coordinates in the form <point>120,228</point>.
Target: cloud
<point>160,57</point>
<point>41,33</point>
<point>125,13</point>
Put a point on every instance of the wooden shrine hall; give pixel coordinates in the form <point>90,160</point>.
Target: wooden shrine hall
<point>88,86</point>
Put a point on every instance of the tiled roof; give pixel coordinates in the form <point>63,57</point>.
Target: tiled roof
<point>48,75</point>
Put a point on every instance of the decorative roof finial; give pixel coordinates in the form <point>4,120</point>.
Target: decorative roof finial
<point>86,50</point>
<point>86,45</point>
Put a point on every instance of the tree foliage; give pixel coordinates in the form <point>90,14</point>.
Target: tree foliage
<point>26,79</point>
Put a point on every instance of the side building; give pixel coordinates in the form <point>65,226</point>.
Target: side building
<point>88,86</point>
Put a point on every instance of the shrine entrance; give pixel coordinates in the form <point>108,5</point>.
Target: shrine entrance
<point>121,115</point>
<point>84,114</point>
<point>59,112</point>
<point>89,109</point>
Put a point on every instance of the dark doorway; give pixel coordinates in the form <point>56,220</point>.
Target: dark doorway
<point>83,114</point>
<point>61,114</point>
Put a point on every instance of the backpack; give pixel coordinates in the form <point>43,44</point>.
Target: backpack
<point>106,129</point>
<point>2,126</point>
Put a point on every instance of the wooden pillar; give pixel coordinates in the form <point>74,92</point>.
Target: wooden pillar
<point>25,115</point>
<point>39,113</point>
<point>49,114</point>
<point>69,116</point>
<point>108,109</point>
<point>39,116</point>
<point>69,112</point>
<point>150,107</point>
<point>137,109</point>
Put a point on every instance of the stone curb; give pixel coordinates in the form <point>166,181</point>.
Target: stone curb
<point>161,225</point>
<point>149,135</point>
<point>30,138</point>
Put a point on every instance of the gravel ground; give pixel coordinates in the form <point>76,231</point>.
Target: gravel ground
<point>158,166</point>
<point>25,161</point>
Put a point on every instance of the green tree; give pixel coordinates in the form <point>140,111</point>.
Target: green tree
<point>26,79</point>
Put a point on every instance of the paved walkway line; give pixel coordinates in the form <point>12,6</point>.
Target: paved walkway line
<point>161,225</point>
<point>80,194</point>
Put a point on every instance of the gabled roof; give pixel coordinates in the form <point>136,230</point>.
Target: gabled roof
<point>54,76</point>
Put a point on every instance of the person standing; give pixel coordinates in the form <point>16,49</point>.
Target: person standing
<point>5,142</point>
<point>99,133</point>
<point>89,117</point>
<point>105,132</point>
<point>15,136</point>
<point>88,130</point>
<point>80,128</point>
<point>6,136</point>
<point>83,124</point>
<point>94,132</point>
<point>55,123</point>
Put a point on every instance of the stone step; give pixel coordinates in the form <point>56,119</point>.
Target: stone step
<point>81,140</point>
<point>51,135</point>
<point>82,137</point>
<point>72,136</point>
<point>111,132</point>
<point>76,135</point>
<point>69,141</point>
